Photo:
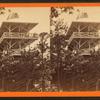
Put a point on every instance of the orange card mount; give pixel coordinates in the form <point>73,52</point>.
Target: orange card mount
<point>47,4</point>
<point>50,94</point>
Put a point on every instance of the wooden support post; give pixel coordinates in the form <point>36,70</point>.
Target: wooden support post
<point>89,43</point>
<point>89,28</point>
<point>9,44</point>
<point>79,28</point>
<point>83,28</point>
<point>13,28</point>
<point>8,27</point>
<point>97,85</point>
<point>94,28</point>
<point>13,44</point>
<point>83,43</point>
<point>19,28</point>
<point>77,44</point>
<point>20,46</point>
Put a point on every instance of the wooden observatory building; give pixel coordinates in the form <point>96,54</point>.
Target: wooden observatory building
<point>83,36</point>
<point>14,36</point>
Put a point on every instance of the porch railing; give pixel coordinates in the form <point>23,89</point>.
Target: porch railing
<point>20,35</point>
<point>17,35</point>
<point>86,34</point>
<point>95,35</point>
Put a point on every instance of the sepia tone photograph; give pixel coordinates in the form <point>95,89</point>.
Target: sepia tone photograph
<point>75,48</point>
<point>24,48</point>
<point>49,49</point>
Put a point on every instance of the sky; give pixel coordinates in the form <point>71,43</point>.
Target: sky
<point>38,15</point>
<point>93,14</point>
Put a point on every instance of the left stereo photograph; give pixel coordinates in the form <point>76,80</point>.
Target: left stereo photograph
<point>24,48</point>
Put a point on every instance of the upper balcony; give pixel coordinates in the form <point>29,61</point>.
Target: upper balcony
<point>86,35</point>
<point>17,35</point>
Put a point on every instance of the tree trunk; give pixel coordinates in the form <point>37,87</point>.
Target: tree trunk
<point>58,61</point>
<point>2,85</point>
<point>27,84</point>
<point>43,81</point>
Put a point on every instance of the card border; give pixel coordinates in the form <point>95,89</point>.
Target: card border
<point>49,94</point>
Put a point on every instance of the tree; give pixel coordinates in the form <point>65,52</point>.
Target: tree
<point>58,40</point>
<point>43,46</point>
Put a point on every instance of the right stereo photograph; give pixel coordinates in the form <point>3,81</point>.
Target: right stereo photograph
<point>75,48</point>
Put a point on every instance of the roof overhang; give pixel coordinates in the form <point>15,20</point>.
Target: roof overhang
<point>74,27</point>
<point>23,27</point>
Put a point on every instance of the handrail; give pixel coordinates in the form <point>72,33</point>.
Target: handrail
<point>86,34</point>
<point>16,34</point>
